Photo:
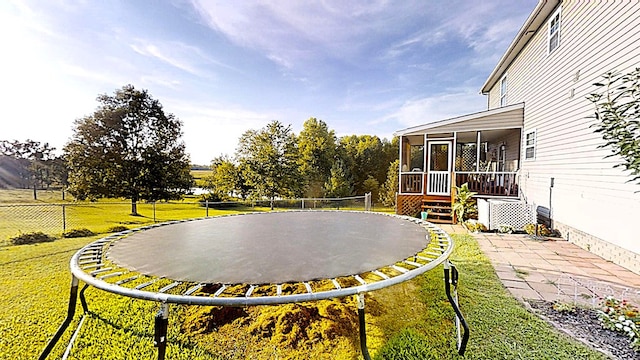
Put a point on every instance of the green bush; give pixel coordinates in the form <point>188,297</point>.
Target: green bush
<point>31,238</point>
<point>542,229</point>
<point>76,233</point>
<point>117,228</point>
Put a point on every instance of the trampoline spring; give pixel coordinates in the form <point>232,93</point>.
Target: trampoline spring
<point>359,279</point>
<point>169,287</point>
<point>250,291</point>
<point>412,263</point>
<point>279,289</point>
<point>193,289</point>
<point>336,284</point>
<point>93,266</point>
<point>89,255</point>
<point>381,274</point>
<point>124,281</point>
<point>220,291</point>
<point>85,262</point>
<point>424,258</point>
<point>110,275</point>
<point>308,287</point>
<point>96,272</point>
<point>142,286</point>
<point>431,253</point>
<point>401,269</point>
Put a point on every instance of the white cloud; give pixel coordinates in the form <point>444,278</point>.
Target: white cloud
<point>288,32</point>
<point>438,107</point>
<point>185,57</point>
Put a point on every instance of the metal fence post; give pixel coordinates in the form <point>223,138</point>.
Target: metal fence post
<point>64,218</point>
<point>154,211</point>
<point>206,205</point>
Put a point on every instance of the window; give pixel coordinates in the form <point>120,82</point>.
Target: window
<point>554,31</point>
<point>503,91</point>
<point>530,145</point>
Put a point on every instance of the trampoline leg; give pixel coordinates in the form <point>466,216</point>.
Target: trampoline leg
<point>73,298</point>
<point>83,300</point>
<point>363,329</point>
<point>160,335</point>
<point>451,278</point>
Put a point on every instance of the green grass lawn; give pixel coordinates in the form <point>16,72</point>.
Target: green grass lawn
<point>409,321</point>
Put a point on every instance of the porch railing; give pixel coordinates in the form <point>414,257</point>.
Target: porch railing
<point>490,183</point>
<point>439,183</point>
<point>411,183</point>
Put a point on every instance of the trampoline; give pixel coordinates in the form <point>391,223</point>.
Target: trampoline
<point>263,259</point>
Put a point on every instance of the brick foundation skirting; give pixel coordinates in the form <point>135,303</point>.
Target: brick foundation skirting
<point>595,245</point>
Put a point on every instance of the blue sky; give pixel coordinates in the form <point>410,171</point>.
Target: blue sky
<point>223,67</point>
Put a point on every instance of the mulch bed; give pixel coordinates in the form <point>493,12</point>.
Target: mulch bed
<point>583,325</point>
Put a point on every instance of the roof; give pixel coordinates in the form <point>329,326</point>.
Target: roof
<point>499,118</point>
<point>537,19</point>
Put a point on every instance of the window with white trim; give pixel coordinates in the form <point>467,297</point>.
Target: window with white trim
<point>553,33</point>
<point>503,91</point>
<point>530,145</point>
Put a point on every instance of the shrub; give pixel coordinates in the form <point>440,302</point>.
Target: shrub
<point>31,238</point>
<point>76,233</point>
<point>117,228</point>
<point>506,229</point>
<point>543,230</point>
<point>465,205</point>
<point>475,226</point>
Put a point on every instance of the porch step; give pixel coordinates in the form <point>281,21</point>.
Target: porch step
<point>437,207</point>
<point>439,211</point>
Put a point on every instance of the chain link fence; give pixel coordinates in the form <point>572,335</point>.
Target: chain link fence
<point>106,216</point>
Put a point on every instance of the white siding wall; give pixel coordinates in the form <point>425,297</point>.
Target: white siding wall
<point>589,194</point>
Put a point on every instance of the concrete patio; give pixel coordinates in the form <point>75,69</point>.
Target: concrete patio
<point>554,270</point>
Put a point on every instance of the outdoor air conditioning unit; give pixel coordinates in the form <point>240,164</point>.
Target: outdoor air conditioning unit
<point>496,212</point>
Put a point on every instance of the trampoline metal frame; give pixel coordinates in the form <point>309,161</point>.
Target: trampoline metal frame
<point>90,264</point>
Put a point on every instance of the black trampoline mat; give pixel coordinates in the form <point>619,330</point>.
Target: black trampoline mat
<point>271,248</point>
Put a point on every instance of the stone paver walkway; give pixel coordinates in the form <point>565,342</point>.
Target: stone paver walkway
<point>554,270</point>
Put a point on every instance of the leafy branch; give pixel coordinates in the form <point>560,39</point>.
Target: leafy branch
<point>618,118</point>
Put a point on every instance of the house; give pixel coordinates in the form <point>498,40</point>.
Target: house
<point>535,142</point>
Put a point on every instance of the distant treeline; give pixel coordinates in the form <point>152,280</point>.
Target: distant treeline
<point>274,162</point>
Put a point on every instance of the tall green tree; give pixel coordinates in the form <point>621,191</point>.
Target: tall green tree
<point>28,162</point>
<point>224,181</point>
<point>618,118</point>
<point>129,147</point>
<point>339,183</point>
<point>317,147</point>
<point>269,161</point>
<point>389,189</point>
<point>364,156</point>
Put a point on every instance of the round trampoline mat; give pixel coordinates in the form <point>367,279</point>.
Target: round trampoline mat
<point>271,248</point>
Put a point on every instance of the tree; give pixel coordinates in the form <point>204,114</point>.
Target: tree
<point>224,181</point>
<point>29,162</point>
<point>371,185</point>
<point>317,147</point>
<point>389,189</point>
<point>269,161</point>
<point>129,147</point>
<point>363,155</point>
<point>618,118</point>
<point>339,183</point>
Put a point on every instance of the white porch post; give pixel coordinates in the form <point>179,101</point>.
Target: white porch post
<point>478,150</point>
